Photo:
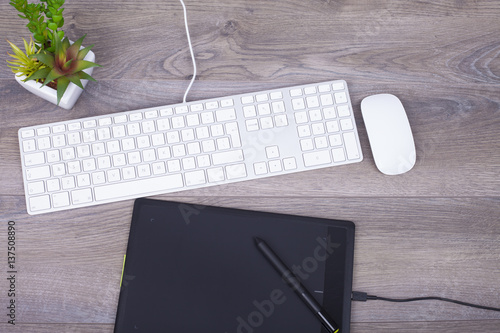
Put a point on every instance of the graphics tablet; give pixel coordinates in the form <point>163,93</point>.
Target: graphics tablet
<point>192,268</point>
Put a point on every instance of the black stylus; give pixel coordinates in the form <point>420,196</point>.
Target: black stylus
<point>295,284</point>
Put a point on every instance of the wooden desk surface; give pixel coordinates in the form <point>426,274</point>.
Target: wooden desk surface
<point>432,231</point>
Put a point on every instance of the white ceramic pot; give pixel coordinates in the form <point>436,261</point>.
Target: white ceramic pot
<point>71,94</point>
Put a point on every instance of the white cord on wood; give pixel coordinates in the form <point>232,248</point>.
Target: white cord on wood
<point>190,50</point>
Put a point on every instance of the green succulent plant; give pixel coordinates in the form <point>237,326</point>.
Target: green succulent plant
<point>65,65</point>
<point>44,19</point>
<point>24,64</point>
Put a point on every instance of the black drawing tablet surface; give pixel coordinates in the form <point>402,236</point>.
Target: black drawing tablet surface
<point>192,268</point>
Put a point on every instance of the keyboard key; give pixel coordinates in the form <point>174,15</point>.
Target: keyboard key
<point>34,159</point>
<point>318,128</point>
<point>315,115</point>
<point>212,105</point>
<point>158,169</point>
<point>310,90</point>
<point>252,125</point>
<point>38,172</point>
<point>346,124</point>
<point>225,115</point>
<point>195,178</point>
<point>60,140</point>
<point>343,110</point>
<point>89,136</point>
<point>138,187</point>
<point>207,118</point>
<point>326,100</point>
<point>188,163</point>
<point>203,161</point>
<point>60,199</point>
<point>120,119</point>
<point>278,107</point>
<point>193,119</point>
<point>298,104</point>
<point>338,155</point>
<point>260,168</point>
<point>236,171</point>
<point>181,109</point>
<point>53,185</point>
<point>266,122</point>
<point>351,146</point>
<point>29,133</point>
<point>58,128</point>
<point>105,121</point>
<point>74,138</point>
<point>36,188</point>
<point>338,86</point>
<point>83,180</point>
<point>301,117</point>
<point>249,111</point>
<point>39,203</point>
<point>234,133</point>
<point>276,95</point>
<point>324,88</point>
<point>151,114</point>
<point>226,103</point>
<point>264,109</point>
<point>321,142</point>
<point>74,167</point>
<point>332,126</point>
<point>281,120</point>
<point>89,123</point>
<point>246,99</point>
<point>340,97</point>
<point>28,145</point>
<point>261,98</point>
<point>317,158</point>
<point>329,113</point>
<point>98,178</point>
<point>89,165</point>
<point>275,166</point>
<point>290,163</point>
<point>312,102</point>
<point>215,175</point>
<point>143,170</point>
<point>335,140</point>
<point>81,196</point>
<point>303,131</point>
<point>227,157</point>
<point>272,152</point>
<point>306,144</point>
<point>68,182</point>
<point>58,169</point>
<point>53,156</point>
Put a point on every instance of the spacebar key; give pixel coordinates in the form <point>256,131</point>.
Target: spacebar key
<point>138,187</point>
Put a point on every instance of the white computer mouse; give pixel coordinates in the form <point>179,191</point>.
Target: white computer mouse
<point>389,132</point>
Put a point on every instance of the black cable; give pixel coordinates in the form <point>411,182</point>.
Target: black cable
<point>363,297</point>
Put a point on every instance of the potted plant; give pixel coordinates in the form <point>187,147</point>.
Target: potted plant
<point>51,66</point>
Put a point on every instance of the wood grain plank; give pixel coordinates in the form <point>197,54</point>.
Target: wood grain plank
<point>405,247</point>
<point>455,159</point>
<point>235,43</point>
<point>484,326</point>
<point>432,231</point>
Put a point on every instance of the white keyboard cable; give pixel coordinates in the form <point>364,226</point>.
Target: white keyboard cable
<point>190,50</point>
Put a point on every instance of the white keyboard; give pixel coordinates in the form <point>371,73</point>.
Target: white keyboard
<point>138,153</point>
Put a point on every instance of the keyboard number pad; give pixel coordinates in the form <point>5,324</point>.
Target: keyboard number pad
<point>325,124</point>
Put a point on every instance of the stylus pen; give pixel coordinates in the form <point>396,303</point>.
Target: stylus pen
<point>297,286</point>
